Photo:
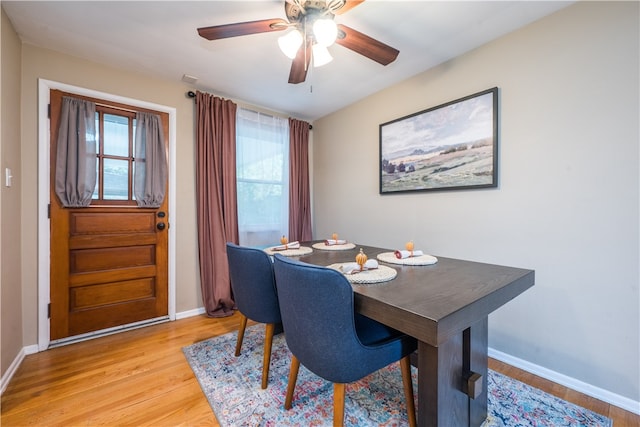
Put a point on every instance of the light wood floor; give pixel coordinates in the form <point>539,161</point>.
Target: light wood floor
<point>141,377</point>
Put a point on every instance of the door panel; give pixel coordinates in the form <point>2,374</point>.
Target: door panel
<point>97,260</point>
<point>98,318</point>
<point>109,263</point>
<point>83,297</point>
<point>87,223</point>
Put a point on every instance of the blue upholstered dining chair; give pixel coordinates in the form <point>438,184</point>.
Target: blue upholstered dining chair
<point>254,292</point>
<point>325,334</point>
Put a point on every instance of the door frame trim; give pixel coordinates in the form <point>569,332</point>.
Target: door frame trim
<point>44,244</point>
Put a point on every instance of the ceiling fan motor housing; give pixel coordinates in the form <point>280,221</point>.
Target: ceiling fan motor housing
<point>297,10</point>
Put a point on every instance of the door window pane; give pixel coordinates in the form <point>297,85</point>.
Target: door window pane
<point>116,179</point>
<point>96,190</point>
<point>116,131</point>
<point>116,135</point>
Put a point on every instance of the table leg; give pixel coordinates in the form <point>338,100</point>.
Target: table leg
<point>441,403</point>
<point>441,372</point>
<point>476,344</point>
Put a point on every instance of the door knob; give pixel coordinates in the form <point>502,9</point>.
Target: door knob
<point>161,226</point>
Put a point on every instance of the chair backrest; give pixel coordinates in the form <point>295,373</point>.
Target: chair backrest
<point>253,283</point>
<point>316,305</point>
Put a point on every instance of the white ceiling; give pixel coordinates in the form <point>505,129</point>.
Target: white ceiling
<point>159,38</point>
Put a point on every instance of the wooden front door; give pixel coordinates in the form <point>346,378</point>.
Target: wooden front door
<point>108,261</point>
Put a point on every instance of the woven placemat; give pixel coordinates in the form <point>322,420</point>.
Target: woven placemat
<point>378,275</point>
<point>302,250</point>
<point>390,257</point>
<point>324,247</point>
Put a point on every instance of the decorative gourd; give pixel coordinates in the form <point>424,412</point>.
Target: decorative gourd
<point>361,258</point>
<point>409,246</point>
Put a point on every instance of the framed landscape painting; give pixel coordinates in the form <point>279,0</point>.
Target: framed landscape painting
<point>452,146</point>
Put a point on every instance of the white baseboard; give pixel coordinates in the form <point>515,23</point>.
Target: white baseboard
<point>572,383</point>
<point>31,349</point>
<point>11,370</point>
<point>190,313</point>
<point>4,382</point>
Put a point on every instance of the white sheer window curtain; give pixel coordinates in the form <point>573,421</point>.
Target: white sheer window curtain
<point>262,167</point>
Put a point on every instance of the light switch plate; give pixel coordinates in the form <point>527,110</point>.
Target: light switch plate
<point>8,178</point>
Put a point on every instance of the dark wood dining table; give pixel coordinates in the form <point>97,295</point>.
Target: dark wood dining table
<point>445,306</point>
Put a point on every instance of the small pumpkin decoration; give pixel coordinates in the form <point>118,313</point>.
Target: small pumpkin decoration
<point>409,246</point>
<point>361,258</point>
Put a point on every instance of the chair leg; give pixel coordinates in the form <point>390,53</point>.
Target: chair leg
<point>243,325</point>
<point>293,377</point>
<point>405,367</point>
<point>266,359</point>
<point>338,404</point>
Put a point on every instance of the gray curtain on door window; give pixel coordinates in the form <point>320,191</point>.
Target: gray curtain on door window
<point>150,175</point>
<point>75,175</point>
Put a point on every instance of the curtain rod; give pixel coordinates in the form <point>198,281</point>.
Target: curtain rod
<point>116,107</point>
<point>192,94</point>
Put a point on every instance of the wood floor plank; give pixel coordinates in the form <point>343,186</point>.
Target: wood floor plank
<point>622,418</point>
<point>141,378</point>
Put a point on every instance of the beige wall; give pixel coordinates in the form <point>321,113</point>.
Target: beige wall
<point>45,64</point>
<point>568,195</point>
<point>10,157</point>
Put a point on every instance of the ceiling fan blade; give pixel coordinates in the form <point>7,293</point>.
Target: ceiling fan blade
<point>348,5</point>
<point>365,45</point>
<point>300,64</point>
<point>243,28</point>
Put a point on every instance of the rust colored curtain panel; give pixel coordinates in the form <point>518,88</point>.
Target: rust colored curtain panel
<point>299,193</point>
<point>216,198</point>
<point>75,175</point>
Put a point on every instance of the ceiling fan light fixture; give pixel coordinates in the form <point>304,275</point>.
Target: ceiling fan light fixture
<point>325,31</point>
<point>301,42</point>
<point>321,55</point>
<point>290,43</point>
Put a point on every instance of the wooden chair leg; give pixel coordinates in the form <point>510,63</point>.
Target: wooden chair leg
<point>405,367</point>
<point>243,326</point>
<point>338,404</point>
<point>266,358</point>
<point>293,377</point>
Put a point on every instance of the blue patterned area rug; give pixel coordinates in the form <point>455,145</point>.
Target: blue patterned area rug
<point>232,387</point>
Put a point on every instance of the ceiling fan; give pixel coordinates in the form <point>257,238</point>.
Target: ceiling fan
<point>309,20</point>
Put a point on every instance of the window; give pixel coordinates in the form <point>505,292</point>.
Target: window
<point>115,133</point>
<point>262,170</point>
<point>115,130</point>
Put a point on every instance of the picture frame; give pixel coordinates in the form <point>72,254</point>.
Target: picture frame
<point>452,146</point>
